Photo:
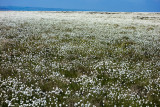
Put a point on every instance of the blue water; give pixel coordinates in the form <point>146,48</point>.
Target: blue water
<point>14,8</point>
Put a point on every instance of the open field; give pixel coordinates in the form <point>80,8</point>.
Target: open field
<point>82,59</point>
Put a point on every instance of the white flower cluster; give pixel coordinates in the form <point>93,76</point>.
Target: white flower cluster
<point>85,59</point>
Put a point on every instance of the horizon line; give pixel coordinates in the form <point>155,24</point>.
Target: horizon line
<point>4,8</point>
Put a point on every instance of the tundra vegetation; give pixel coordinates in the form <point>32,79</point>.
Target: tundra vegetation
<point>87,59</point>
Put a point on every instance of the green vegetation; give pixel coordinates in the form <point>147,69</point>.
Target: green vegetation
<point>60,61</point>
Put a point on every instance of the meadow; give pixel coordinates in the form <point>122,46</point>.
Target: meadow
<point>79,59</point>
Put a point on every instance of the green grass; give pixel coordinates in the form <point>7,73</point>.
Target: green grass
<point>60,62</point>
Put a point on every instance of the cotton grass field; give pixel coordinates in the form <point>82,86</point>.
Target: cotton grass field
<point>79,59</point>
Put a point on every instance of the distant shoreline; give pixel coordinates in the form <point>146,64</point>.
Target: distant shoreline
<point>91,12</point>
<point>17,8</point>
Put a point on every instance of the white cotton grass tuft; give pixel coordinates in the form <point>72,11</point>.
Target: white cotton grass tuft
<point>79,59</point>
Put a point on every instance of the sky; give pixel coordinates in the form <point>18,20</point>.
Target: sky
<point>92,5</point>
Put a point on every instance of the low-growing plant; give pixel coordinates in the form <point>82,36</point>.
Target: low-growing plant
<point>101,60</point>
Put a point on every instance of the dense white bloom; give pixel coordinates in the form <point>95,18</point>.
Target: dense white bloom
<point>50,58</point>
